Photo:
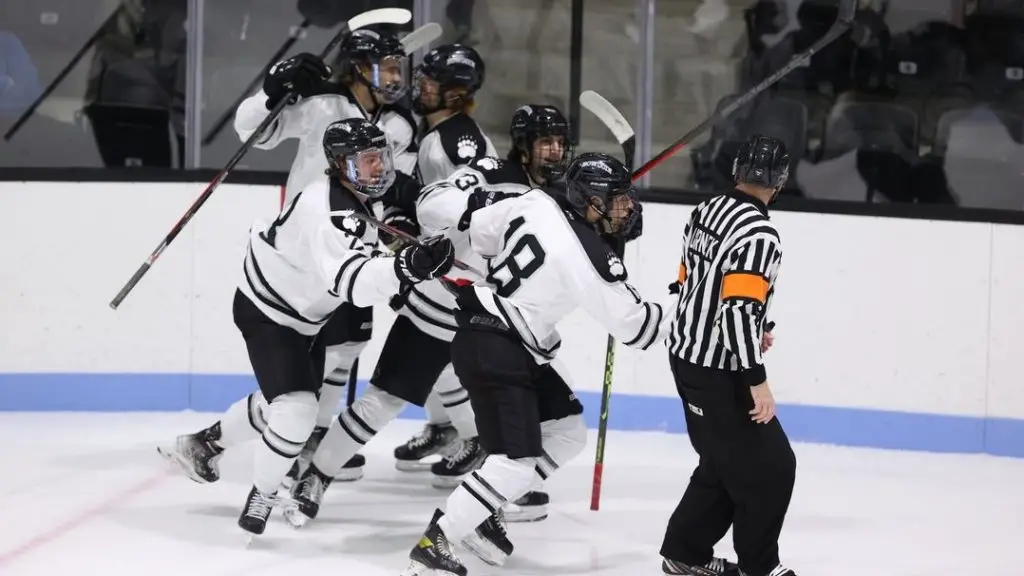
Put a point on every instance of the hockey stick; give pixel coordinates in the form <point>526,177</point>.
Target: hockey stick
<point>411,42</point>
<point>626,137</point>
<point>398,234</point>
<point>847,11</point>
<point>623,132</point>
<point>421,37</point>
<point>379,16</point>
<point>251,88</point>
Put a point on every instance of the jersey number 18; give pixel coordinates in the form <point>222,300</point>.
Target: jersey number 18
<point>508,275</point>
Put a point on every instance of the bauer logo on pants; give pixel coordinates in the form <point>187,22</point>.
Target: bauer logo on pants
<point>694,409</point>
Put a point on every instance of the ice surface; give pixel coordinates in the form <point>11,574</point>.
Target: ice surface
<point>87,494</point>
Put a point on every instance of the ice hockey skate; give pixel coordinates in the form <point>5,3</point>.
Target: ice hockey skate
<point>450,471</point>
<point>490,541</point>
<point>435,439</point>
<point>530,507</point>
<point>434,554</point>
<point>196,454</point>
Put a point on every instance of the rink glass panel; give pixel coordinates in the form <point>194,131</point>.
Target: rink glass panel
<point>120,105</point>
<point>922,104</point>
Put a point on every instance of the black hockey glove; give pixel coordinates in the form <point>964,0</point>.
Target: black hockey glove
<point>305,73</point>
<point>637,227</point>
<point>675,287</point>
<point>403,223</point>
<point>477,200</point>
<point>433,259</point>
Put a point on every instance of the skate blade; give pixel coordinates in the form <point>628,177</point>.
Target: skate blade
<point>417,569</point>
<point>295,518</point>
<point>447,482</point>
<point>484,550</point>
<point>252,540</point>
<point>525,514</point>
<point>412,466</point>
<point>180,465</point>
<point>349,475</point>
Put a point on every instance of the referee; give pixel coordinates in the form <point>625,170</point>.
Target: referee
<point>731,257</point>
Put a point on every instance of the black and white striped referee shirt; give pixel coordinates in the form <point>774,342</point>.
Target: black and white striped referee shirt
<point>731,257</point>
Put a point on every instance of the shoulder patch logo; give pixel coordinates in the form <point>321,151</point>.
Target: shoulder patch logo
<point>466,146</point>
<point>488,163</point>
<point>353,226</point>
<point>615,267</point>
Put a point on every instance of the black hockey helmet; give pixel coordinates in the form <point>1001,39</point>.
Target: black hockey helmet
<point>535,121</point>
<point>452,66</point>
<point>359,151</point>
<point>385,57</point>
<point>603,183</point>
<point>763,161</point>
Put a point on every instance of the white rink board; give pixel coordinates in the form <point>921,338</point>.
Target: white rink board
<point>879,314</point>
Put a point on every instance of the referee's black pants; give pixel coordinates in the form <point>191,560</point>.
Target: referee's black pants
<point>744,477</point>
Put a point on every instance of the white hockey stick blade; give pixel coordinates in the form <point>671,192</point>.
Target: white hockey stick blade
<point>396,16</point>
<point>421,37</point>
<point>609,115</point>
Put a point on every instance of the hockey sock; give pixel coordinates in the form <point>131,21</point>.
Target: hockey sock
<point>356,426</point>
<point>290,421</point>
<point>562,440</point>
<point>338,362</point>
<point>456,403</point>
<point>245,420</point>
<point>436,413</point>
<point>330,397</point>
<point>484,492</point>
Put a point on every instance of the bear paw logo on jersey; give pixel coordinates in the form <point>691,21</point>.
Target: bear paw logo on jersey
<point>466,146</point>
<point>487,163</point>
<point>615,266</point>
<point>354,227</point>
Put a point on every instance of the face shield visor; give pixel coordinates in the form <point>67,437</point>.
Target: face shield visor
<point>371,171</point>
<point>387,77</point>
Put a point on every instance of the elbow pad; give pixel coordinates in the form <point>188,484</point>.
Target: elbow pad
<point>477,200</point>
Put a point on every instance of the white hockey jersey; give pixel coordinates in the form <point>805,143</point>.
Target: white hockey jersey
<point>305,264</point>
<point>543,262</point>
<point>430,306</point>
<point>309,118</point>
<point>455,141</point>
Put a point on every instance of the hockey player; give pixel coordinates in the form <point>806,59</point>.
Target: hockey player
<point>371,71</point>
<point>540,131</point>
<point>545,257</point>
<point>297,272</point>
<point>444,90</point>
<point>541,148</point>
<point>368,79</point>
